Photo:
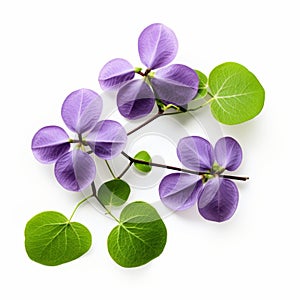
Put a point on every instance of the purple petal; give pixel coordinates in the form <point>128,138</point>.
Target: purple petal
<point>135,100</point>
<point>208,192</point>
<point>223,204</point>
<point>49,143</point>
<point>195,153</point>
<point>108,139</point>
<point>81,110</point>
<point>114,73</point>
<point>228,153</point>
<point>158,46</point>
<point>75,170</point>
<point>179,191</point>
<point>176,84</point>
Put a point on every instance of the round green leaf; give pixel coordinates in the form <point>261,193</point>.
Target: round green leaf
<point>114,192</point>
<point>50,239</point>
<point>140,237</point>
<point>202,90</point>
<point>237,94</point>
<point>144,156</point>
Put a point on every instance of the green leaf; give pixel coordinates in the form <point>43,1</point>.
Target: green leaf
<point>140,237</point>
<point>50,239</point>
<point>237,94</point>
<point>144,156</point>
<point>202,90</point>
<point>114,192</point>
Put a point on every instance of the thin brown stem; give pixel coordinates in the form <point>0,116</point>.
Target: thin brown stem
<point>133,160</point>
<point>140,73</point>
<point>125,170</point>
<point>234,177</point>
<point>145,123</point>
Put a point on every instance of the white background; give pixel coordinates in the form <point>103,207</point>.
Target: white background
<point>50,48</point>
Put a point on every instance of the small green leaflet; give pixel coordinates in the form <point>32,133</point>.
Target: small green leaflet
<point>140,237</point>
<point>114,192</point>
<point>50,239</point>
<point>237,94</point>
<point>202,90</point>
<point>144,156</point>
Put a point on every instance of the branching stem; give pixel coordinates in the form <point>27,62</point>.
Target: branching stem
<point>78,204</point>
<point>145,123</point>
<point>125,170</point>
<point>106,209</point>
<point>133,160</point>
<point>110,169</point>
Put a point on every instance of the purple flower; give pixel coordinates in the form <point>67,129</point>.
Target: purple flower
<point>217,197</point>
<point>75,170</point>
<point>176,84</point>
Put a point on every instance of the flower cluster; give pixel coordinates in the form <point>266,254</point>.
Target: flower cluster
<point>174,84</point>
<point>234,95</point>
<point>216,196</point>
<point>75,170</point>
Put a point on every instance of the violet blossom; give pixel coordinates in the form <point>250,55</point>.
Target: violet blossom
<point>75,169</point>
<point>174,84</point>
<point>216,196</point>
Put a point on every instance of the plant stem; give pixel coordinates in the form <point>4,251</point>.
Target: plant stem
<point>125,170</point>
<point>145,123</point>
<point>210,94</point>
<point>204,104</point>
<point>198,107</point>
<point>142,162</point>
<point>234,177</point>
<point>78,204</point>
<point>140,73</point>
<point>96,196</point>
<point>175,113</point>
<point>162,113</point>
<point>110,169</point>
<point>157,115</point>
<point>73,141</point>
